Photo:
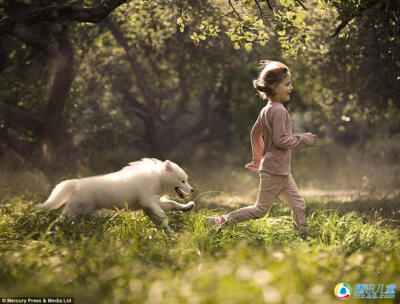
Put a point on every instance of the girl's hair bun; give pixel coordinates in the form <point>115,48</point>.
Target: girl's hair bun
<point>259,85</point>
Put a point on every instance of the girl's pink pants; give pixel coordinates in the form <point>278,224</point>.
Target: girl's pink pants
<point>271,187</point>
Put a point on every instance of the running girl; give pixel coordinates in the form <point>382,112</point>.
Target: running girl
<point>271,142</point>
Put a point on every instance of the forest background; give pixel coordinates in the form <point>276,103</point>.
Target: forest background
<point>88,86</point>
<point>173,79</point>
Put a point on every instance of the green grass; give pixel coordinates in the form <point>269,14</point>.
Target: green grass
<point>121,257</point>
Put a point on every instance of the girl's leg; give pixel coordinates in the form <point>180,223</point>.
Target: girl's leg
<point>270,186</point>
<point>291,196</point>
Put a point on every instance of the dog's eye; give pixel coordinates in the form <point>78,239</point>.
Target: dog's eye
<point>183,182</point>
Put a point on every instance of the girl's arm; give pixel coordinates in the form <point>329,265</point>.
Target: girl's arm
<point>257,146</point>
<point>284,141</point>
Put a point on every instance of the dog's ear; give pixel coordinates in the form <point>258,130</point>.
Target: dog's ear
<point>167,165</point>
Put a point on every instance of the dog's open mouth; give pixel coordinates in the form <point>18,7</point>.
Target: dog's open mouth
<point>180,192</point>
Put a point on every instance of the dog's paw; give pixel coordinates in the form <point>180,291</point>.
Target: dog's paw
<point>189,206</point>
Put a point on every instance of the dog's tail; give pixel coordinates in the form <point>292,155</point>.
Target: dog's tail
<point>60,195</point>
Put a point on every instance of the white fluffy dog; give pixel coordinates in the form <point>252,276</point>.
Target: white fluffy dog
<point>140,185</point>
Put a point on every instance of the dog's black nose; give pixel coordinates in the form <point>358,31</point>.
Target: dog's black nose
<point>192,190</point>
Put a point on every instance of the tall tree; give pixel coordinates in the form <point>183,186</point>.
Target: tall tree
<point>42,138</point>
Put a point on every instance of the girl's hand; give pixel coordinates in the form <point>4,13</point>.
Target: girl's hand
<point>252,166</point>
<point>315,139</point>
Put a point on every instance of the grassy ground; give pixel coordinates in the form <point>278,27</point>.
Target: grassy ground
<point>123,258</point>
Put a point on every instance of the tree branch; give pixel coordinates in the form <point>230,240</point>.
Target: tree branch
<point>269,5</point>
<point>141,76</point>
<point>237,14</point>
<point>24,149</point>
<point>140,109</point>
<point>20,119</point>
<point>259,8</point>
<point>220,17</point>
<point>55,13</point>
<point>357,13</point>
<point>203,122</point>
<point>342,25</point>
<point>301,4</point>
<point>25,35</point>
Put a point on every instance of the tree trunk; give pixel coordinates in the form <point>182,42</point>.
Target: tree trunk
<point>56,143</point>
<point>51,151</point>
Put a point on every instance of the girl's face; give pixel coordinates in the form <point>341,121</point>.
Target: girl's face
<point>283,90</point>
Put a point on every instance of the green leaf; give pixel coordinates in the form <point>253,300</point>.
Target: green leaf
<point>248,46</point>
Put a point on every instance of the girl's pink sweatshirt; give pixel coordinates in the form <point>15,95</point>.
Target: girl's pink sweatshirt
<point>273,153</point>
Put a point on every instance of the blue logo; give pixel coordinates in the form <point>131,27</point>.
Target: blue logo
<point>374,291</point>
